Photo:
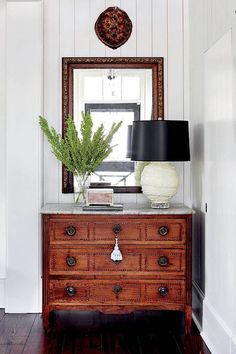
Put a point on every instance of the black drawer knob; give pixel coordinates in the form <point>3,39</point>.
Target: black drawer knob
<point>71,261</point>
<point>70,230</point>
<point>163,261</point>
<point>116,228</point>
<point>163,230</point>
<point>163,290</point>
<point>117,289</point>
<point>71,291</point>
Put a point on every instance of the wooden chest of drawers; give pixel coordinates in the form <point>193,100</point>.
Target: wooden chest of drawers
<point>155,272</point>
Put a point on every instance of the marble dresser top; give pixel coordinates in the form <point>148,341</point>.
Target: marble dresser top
<point>136,209</point>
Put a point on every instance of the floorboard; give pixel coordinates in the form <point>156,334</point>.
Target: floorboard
<point>11,349</point>
<point>15,328</point>
<point>40,343</point>
<point>94,333</point>
<point>2,313</point>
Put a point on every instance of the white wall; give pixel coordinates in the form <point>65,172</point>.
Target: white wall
<point>21,174</point>
<point>213,122</point>
<point>69,31</point>
<point>2,152</point>
<point>55,29</point>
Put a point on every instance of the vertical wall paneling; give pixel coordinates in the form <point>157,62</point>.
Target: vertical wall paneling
<point>159,28</point>
<point>186,98</point>
<point>67,49</point>
<point>41,151</point>
<point>67,28</point>
<point>175,60</point>
<point>197,39</point>
<point>230,13</point>
<point>97,48</point>
<point>52,109</point>
<point>2,150</point>
<point>234,120</point>
<point>82,28</point>
<point>109,51</point>
<point>23,104</point>
<point>129,48</point>
<point>112,3</point>
<point>160,40</point>
<point>175,70</point>
<point>205,13</point>
<point>144,28</point>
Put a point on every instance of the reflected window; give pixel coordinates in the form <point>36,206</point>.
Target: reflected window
<point>117,169</point>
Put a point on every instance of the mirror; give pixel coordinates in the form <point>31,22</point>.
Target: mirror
<point>112,89</point>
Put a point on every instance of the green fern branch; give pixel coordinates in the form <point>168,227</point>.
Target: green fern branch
<point>80,155</point>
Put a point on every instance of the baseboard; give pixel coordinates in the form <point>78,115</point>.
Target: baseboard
<point>34,306</point>
<point>209,344</point>
<point>216,334</point>
<point>197,305</point>
<point>197,323</point>
<point>2,293</point>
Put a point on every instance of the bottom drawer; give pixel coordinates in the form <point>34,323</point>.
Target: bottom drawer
<point>109,292</point>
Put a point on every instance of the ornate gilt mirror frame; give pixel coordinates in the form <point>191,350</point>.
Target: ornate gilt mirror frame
<point>71,63</point>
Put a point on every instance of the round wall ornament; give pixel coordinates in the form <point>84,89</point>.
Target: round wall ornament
<point>113,27</point>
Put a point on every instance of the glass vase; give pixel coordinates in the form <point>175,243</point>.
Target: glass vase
<point>80,189</point>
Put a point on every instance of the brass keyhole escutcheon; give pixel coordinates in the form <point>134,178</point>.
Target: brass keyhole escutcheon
<point>163,230</point>
<point>71,261</point>
<point>116,228</point>
<point>163,290</point>
<point>163,261</point>
<point>70,230</point>
<point>71,291</point>
<point>117,289</point>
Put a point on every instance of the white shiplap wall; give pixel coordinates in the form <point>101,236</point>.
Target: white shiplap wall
<point>2,151</point>
<point>213,121</point>
<point>69,31</point>
<point>54,29</point>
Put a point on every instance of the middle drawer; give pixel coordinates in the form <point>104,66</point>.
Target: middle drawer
<point>98,261</point>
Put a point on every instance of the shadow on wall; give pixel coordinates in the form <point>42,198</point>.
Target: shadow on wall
<point>198,222</point>
<point>198,264</point>
<point>213,171</point>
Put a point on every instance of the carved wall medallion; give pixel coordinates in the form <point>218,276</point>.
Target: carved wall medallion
<point>113,27</point>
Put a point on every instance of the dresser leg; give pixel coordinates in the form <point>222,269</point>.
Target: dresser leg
<point>46,313</point>
<point>188,319</point>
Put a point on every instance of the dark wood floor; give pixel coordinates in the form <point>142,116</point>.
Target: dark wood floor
<point>94,333</point>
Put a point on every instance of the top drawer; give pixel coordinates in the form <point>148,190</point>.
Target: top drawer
<point>100,229</point>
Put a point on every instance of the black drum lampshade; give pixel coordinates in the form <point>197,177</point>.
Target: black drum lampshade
<point>160,140</point>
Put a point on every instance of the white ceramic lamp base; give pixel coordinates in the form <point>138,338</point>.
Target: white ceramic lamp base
<point>159,181</point>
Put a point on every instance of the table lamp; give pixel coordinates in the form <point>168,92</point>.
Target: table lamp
<point>160,141</point>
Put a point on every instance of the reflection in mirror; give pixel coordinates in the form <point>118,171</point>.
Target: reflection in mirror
<point>113,86</point>
<point>112,89</point>
<point>112,95</point>
<point>116,169</point>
